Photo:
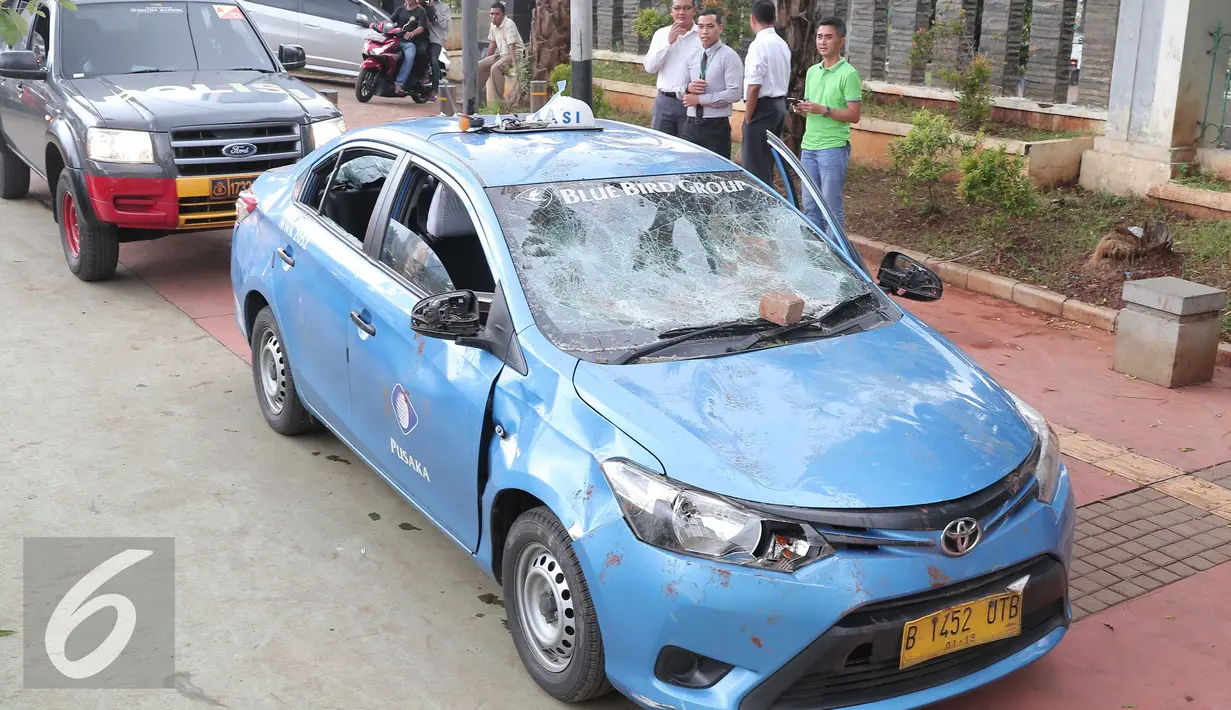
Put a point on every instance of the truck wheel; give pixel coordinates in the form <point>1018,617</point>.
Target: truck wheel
<point>14,174</point>
<point>92,250</point>
<point>365,85</point>
<point>275,383</point>
<point>551,616</point>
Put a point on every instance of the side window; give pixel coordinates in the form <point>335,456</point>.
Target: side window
<point>431,240</point>
<point>288,5</point>
<point>337,10</point>
<point>348,195</point>
<point>318,180</point>
<point>40,32</point>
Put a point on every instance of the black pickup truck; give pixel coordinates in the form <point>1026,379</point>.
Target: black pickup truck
<point>148,118</point>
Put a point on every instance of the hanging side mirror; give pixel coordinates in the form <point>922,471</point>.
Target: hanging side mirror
<point>449,316</point>
<point>903,276</point>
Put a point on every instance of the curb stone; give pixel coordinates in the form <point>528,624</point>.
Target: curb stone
<point>1012,290</point>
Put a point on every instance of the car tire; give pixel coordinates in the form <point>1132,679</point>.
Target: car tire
<point>14,174</point>
<point>365,85</point>
<point>274,380</point>
<point>538,560</point>
<point>91,250</point>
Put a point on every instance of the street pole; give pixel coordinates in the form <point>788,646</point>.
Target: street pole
<point>470,56</point>
<point>581,50</point>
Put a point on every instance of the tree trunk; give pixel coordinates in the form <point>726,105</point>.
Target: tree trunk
<point>797,25</point>
<point>549,37</point>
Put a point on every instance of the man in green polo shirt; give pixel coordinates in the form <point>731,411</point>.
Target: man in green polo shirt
<point>832,100</point>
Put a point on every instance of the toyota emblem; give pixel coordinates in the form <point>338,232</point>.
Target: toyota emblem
<point>960,537</point>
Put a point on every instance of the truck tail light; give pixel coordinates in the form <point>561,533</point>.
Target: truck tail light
<point>244,206</point>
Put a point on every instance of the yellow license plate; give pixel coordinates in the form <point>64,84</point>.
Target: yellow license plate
<point>959,627</point>
<point>228,187</point>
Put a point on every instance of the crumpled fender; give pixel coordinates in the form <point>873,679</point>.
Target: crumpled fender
<point>552,446</point>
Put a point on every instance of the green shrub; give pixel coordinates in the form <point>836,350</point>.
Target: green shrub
<point>996,177</point>
<point>926,154</point>
<point>648,21</point>
<point>564,72</point>
<point>973,86</point>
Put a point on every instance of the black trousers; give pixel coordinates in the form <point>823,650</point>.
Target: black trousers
<point>755,154</point>
<point>433,58</point>
<point>710,133</point>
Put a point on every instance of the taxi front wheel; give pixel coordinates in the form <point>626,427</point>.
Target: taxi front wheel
<point>275,383</point>
<point>551,616</point>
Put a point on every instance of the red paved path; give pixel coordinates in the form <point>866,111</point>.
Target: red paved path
<point>1160,650</point>
<point>1149,661</point>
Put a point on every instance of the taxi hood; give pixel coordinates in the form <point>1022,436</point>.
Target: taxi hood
<point>894,416</point>
<point>164,101</point>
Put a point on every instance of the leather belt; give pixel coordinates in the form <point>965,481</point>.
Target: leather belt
<point>669,94</point>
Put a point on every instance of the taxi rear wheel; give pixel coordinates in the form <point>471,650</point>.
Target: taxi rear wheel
<point>551,615</point>
<point>274,381</point>
<point>91,250</point>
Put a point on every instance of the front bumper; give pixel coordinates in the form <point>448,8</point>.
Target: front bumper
<point>828,635</point>
<point>147,199</point>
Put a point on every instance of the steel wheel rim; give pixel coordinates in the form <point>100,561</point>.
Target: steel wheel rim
<point>545,608</point>
<point>272,369</point>
<point>71,233</point>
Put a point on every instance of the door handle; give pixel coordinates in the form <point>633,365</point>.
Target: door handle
<point>363,325</point>
<point>290,260</point>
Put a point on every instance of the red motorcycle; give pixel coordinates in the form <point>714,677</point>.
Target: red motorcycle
<point>382,59</point>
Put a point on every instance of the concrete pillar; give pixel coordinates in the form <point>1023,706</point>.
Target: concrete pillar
<point>609,23</point>
<point>908,17</point>
<point>633,42</point>
<point>867,30</point>
<point>1051,46</point>
<point>1001,40</point>
<point>950,50</point>
<point>1159,81</point>
<point>1168,333</point>
<point>1102,18</point>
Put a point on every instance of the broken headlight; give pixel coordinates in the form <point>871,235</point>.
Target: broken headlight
<point>1048,469</point>
<point>676,517</point>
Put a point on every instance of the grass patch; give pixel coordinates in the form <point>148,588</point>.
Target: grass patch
<point>623,71</point>
<point>1049,249</point>
<point>902,112</point>
<point>1204,182</point>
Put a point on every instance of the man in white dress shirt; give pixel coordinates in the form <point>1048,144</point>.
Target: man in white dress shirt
<point>670,50</point>
<point>767,72</point>
<point>715,77</point>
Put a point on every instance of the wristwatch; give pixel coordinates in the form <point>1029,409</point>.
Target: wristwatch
<point>827,110</point>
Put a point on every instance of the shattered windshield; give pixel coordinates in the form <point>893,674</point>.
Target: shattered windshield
<point>609,264</point>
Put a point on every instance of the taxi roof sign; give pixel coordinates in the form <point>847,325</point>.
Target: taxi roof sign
<point>565,111</point>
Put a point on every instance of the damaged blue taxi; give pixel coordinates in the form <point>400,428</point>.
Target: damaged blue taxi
<point>547,333</point>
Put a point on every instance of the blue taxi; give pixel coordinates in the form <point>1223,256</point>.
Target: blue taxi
<point>551,340</point>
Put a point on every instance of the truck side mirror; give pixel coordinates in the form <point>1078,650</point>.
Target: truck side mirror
<point>292,57</point>
<point>21,64</point>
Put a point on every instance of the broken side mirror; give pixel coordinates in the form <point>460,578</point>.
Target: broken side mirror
<point>450,315</point>
<point>903,276</point>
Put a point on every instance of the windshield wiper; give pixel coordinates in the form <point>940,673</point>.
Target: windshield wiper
<point>150,71</point>
<point>679,335</point>
<point>839,313</point>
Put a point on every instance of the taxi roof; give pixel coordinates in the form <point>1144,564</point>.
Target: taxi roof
<point>555,155</point>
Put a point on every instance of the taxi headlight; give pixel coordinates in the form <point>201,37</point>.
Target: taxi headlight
<point>108,145</point>
<point>327,130</point>
<point>1048,469</point>
<point>676,517</point>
